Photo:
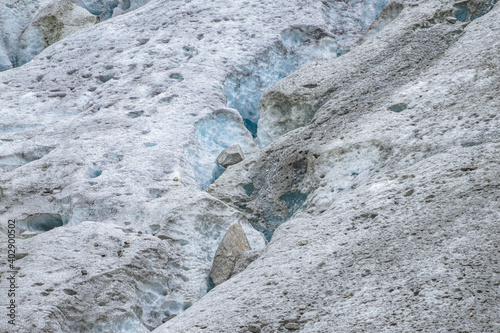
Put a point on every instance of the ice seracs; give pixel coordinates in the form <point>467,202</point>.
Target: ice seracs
<point>399,164</point>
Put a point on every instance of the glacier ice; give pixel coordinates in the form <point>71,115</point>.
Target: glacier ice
<point>159,302</point>
<point>352,15</point>
<point>41,222</point>
<point>213,134</point>
<point>469,10</point>
<point>297,47</point>
<point>28,27</point>
<point>135,120</point>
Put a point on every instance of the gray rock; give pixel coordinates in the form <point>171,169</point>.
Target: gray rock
<point>232,246</point>
<point>245,259</point>
<point>230,156</point>
<point>254,328</point>
<point>292,326</point>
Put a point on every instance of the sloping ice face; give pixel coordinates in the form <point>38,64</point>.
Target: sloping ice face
<point>123,119</point>
<point>296,48</point>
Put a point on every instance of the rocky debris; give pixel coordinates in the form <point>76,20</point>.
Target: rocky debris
<point>292,326</point>
<point>230,156</point>
<point>229,251</point>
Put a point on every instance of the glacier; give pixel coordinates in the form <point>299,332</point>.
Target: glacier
<point>368,183</point>
<point>113,129</point>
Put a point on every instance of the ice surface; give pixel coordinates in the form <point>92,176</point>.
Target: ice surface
<point>296,48</point>
<point>126,324</point>
<point>213,135</point>
<point>106,9</point>
<point>469,10</point>
<point>41,222</point>
<point>29,26</point>
<point>352,15</point>
<point>136,119</point>
<point>159,302</point>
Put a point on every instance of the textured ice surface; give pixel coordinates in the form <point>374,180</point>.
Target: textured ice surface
<point>400,229</point>
<point>343,16</point>
<point>29,26</point>
<point>298,47</point>
<point>213,134</point>
<point>105,9</point>
<point>134,113</point>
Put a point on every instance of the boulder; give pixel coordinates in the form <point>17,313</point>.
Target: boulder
<point>230,155</point>
<point>229,251</point>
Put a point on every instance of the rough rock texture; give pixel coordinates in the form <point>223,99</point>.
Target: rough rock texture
<point>121,124</point>
<point>396,176</point>
<point>230,156</point>
<point>245,259</point>
<point>228,252</point>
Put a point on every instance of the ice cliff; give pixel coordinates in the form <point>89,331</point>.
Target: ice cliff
<point>370,179</point>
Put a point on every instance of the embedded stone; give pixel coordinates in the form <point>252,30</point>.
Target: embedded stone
<point>292,326</point>
<point>254,328</point>
<point>233,244</point>
<point>230,156</point>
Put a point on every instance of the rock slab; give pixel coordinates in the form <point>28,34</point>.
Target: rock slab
<point>230,249</point>
<point>230,156</point>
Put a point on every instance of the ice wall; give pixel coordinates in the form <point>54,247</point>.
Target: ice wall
<point>213,134</point>
<point>296,48</point>
<point>106,9</point>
